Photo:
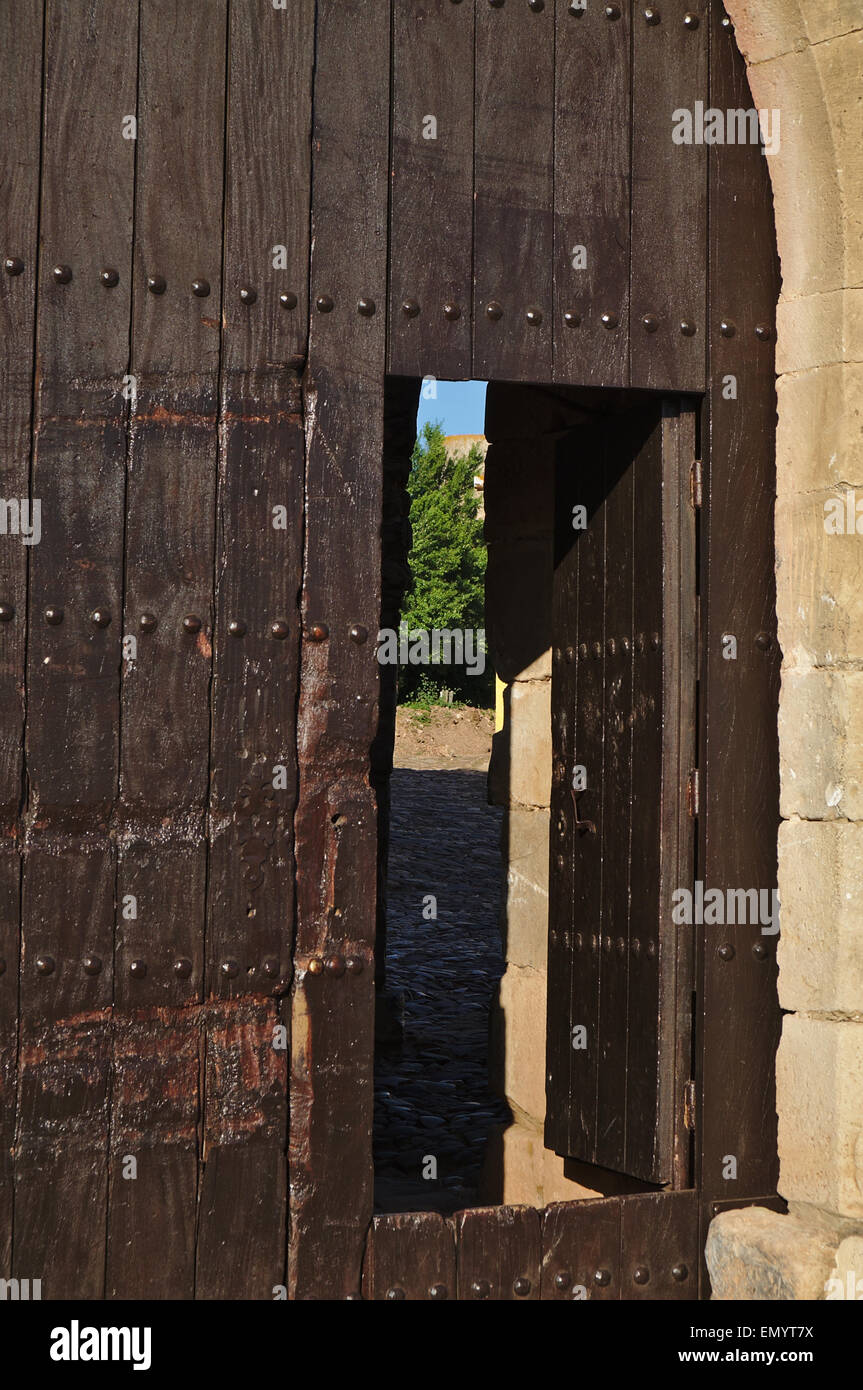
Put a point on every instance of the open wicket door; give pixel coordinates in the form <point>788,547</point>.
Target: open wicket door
<point>622,832</point>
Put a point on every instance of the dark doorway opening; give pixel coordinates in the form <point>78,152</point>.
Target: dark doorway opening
<point>438,952</point>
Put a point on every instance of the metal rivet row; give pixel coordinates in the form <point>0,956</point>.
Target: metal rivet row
<point>182,967</point>
<point>200,287</point>
<point>335,965</point>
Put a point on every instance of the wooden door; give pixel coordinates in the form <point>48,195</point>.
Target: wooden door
<point>150,764</point>
<point>202,288</point>
<point>622,836</point>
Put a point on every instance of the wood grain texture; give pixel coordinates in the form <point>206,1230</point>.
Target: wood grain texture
<point>680,756</point>
<point>410,1256</point>
<point>72,680</point>
<point>156,1066</point>
<point>513,176</point>
<point>588,753</point>
<point>740,1015</point>
<point>253,768</point>
<point>659,1246</point>
<point>669,201</point>
<point>243,1196</point>
<point>591,195</point>
<point>499,1256</point>
<point>628,635</point>
<point>169,543</point>
<point>622,550</point>
<point>331,1058</point>
<point>581,1250</point>
<point>561,924</point>
<point>268,152</point>
<point>20,116</point>
<point>432,168</point>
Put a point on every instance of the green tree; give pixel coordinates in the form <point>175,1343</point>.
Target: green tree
<point>447,562</point>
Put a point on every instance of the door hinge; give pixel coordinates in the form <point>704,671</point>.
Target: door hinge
<point>689,1104</point>
<point>693,792</point>
<point>696,483</point>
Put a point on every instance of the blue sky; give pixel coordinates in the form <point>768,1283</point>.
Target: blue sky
<point>460,407</point>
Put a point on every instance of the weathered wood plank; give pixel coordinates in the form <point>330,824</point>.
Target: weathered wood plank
<point>656,796</point>
<point>498,1254</point>
<point>20,117</point>
<point>741,1019</point>
<point>589,805</point>
<point>622,540</point>
<point>171,487</point>
<point>669,201</point>
<point>74,644</point>
<point>513,177</point>
<point>679,758</point>
<point>61,1132</point>
<point>659,1246</point>
<point>268,152</point>
<point>591,195</point>
<point>562,851</point>
<point>411,1256</point>
<point>243,1197</point>
<point>154,1118</point>
<point>331,1093</point>
<point>581,1250</point>
<point>432,168</point>
<point>253,777</point>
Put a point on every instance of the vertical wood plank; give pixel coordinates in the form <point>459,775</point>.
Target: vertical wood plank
<point>562,851</point>
<point>659,1247</point>
<point>432,168</point>
<point>741,1018</point>
<point>243,1188</point>
<point>589,754</point>
<point>644,1060</point>
<point>333,1002</point>
<point>153,1160</point>
<point>513,178</point>
<point>592,195</point>
<point>20,117</point>
<point>74,645</point>
<point>669,200</point>
<point>498,1254</point>
<point>256,640</point>
<point>168,610</point>
<point>679,758</point>
<point>411,1256</point>
<point>618,658</point>
<point>581,1250</point>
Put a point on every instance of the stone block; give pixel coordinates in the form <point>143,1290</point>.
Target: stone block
<point>821,944</point>
<point>806,186</point>
<point>822,756</point>
<point>819,584</point>
<point>819,1081</point>
<point>527,706</point>
<point>819,441</point>
<point>525,934</point>
<point>819,329</point>
<point>766,28</point>
<point>753,1253</point>
<point>512,1173</point>
<point>522,1007</point>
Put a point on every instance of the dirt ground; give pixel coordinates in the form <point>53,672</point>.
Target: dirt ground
<point>443,738</point>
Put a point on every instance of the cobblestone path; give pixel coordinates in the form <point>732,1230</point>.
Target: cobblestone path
<point>431,1091</point>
